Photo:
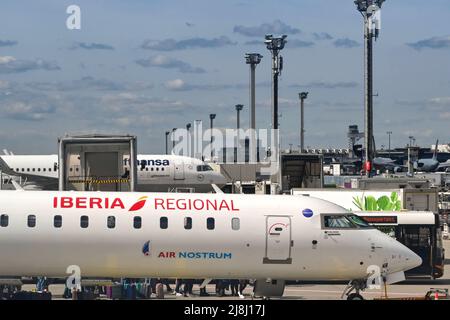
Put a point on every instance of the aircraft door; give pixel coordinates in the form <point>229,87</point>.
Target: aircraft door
<point>278,240</point>
<point>179,170</point>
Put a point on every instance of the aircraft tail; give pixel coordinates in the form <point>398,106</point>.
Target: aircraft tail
<point>5,168</point>
<point>436,150</point>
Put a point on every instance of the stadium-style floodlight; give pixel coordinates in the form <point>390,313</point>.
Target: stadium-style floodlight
<point>302,96</point>
<point>371,12</point>
<point>275,45</point>
<point>212,116</point>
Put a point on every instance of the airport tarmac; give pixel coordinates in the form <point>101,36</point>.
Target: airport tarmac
<point>411,288</point>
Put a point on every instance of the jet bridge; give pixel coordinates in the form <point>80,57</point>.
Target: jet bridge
<point>98,163</point>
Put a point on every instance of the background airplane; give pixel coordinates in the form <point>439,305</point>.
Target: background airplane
<point>428,164</point>
<point>155,172</point>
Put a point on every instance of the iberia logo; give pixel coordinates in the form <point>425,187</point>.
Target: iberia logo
<point>139,204</point>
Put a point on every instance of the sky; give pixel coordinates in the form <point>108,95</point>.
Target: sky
<point>143,67</point>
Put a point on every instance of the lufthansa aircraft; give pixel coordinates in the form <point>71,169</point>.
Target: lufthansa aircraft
<point>269,238</point>
<point>154,172</point>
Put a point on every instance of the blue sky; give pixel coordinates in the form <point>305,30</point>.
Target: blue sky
<point>143,67</point>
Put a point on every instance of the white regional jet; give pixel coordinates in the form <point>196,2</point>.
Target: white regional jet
<point>154,172</point>
<point>269,238</point>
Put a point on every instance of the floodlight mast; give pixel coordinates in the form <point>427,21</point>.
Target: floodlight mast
<point>302,96</point>
<point>253,59</point>
<point>370,10</point>
<point>212,116</point>
<point>275,45</point>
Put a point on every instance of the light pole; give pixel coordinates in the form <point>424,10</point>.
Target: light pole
<point>275,45</point>
<point>303,96</point>
<point>173,138</point>
<point>212,116</point>
<point>370,10</point>
<point>167,142</point>
<point>239,108</point>
<point>411,138</point>
<point>389,145</point>
<point>253,59</point>
<point>188,140</point>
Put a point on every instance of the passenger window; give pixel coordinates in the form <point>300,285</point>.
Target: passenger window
<point>162,169</point>
<point>137,222</point>
<point>57,221</point>
<point>4,220</point>
<point>153,169</point>
<point>84,222</point>
<point>44,169</point>
<point>28,169</point>
<point>39,169</point>
<point>34,169</point>
<point>235,224</point>
<point>188,223</point>
<point>210,224</point>
<point>49,169</point>
<point>31,221</point>
<point>111,222</point>
<point>163,223</point>
<point>23,169</point>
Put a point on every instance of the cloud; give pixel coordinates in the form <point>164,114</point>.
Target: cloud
<point>254,43</point>
<point>175,85</point>
<point>443,101</point>
<point>91,46</point>
<point>277,27</point>
<point>322,36</point>
<point>165,62</point>
<point>10,65</point>
<point>299,44</point>
<point>88,83</point>
<point>181,85</point>
<point>326,85</point>
<point>444,115</point>
<point>431,43</point>
<point>26,111</point>
<point>346,43</point>
<point>7,43</point>
<point>193,43</point>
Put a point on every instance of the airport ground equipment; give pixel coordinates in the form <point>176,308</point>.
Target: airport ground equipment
<point>96,163</point>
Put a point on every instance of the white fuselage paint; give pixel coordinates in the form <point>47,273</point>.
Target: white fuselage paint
<point>274,240</point>
<point>158,173</point>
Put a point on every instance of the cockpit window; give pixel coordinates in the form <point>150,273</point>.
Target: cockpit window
<point>338,222</point>
<point>344,221</point>
<point>361,223</point>
<point>204,167</point>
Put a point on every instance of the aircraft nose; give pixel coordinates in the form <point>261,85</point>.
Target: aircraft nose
<point>412,260</point>
<point>404,257</point>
